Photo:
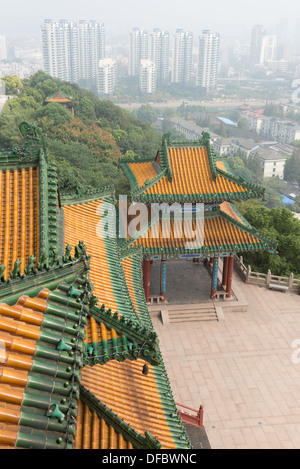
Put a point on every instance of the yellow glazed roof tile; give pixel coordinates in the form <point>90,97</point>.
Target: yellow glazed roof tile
<point>19,217</point>
<point>191,174</point>
<point>124,388</point>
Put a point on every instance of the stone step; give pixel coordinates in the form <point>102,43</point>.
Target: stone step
<point>193,319</point>
<point>204,313</point>
<point>193,306</point>
<point>188,314</point>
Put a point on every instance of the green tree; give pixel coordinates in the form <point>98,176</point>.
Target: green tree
<point>147,113</point>
<point>277,224</point>
<point>292,167</point>
<point>13,84</point>
<point>54,112</point>
<point>243,124</point>
<point>235,163</point>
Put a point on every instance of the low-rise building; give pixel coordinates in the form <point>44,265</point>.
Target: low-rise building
<point>191,130</point>
<point>282,131</point>
<point>272,164</point>
<point>242,147</point>
<point>255,119</point>
<point>222,146</point>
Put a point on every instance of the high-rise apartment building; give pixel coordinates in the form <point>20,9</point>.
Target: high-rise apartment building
<point>268,49</point>
<point>107,76</point>
<point>263,46</point>
<point>147,76</point>
<point>138,50</point>
<point>256,41</point>
<point>159,54</point>
<point>57,49</point>
<point>3,50</point>
<point>208,60</point>
<point>72,51</point>
<point>182,56</point>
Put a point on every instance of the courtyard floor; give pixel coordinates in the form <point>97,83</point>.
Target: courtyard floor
<point>245,370</point>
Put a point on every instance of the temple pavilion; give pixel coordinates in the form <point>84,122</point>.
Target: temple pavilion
<point>80,362</point>
<point>61,98</point>
<point>189,173</point>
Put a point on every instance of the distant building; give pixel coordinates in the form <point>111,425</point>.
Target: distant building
<point>268,49</point>
<point>242,147</point>
<point>281,131</point>
<point>182,57</point>
<point>138,50</point>
<point>107,76</point>
<point>222,146</point>
<point>62,99</point>
<point>72,51</point>
<point>256,41</point>
<point>191,130</point>
<point>159,54</point>
<point>263,46</point>
<point>255,119</point>
<point>226,121</point>
<point>208,60</point>
<point>147,76</point>
<point>272,164</point>
<point>3,49</point>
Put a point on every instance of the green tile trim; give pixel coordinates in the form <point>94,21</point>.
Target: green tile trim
<point>11,291</point>
<point>173,419</point>
<point>71,199</point>
<point>35,439</point>
<point>143,339</point>
<point>117,276</point>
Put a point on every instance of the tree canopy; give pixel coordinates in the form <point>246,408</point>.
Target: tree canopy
<point>86,147</point>
<point>280,225</point>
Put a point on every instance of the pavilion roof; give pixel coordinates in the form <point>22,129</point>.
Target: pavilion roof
<point>185,172</point>
<point>224,231</point>
<point>58,97</point>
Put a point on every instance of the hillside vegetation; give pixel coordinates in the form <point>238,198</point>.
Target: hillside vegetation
<point>87,146</point>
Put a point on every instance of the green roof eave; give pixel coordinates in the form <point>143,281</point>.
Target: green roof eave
<point>220,197</point>
<point>129,174</point>
<point>135,333</point>
<point>76,199</point>
<point>31,285</point>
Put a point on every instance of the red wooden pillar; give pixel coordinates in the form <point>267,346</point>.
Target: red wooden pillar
<point>229,277</point>
<point>146,279</point>
<point>225,271</point>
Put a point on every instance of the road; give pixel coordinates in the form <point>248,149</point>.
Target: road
<point>3,100</point>
<point>207,104</point>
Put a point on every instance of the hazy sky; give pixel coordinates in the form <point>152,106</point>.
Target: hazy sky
<point>225,16</point>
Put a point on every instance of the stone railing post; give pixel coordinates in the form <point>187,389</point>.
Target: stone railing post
<point>268,279</point>
<point>248,273</point>
<point>291,281</point>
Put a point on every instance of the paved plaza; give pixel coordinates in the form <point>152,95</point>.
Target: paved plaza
<point>244,370</point>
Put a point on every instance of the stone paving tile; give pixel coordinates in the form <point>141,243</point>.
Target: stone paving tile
<point>241,370</point>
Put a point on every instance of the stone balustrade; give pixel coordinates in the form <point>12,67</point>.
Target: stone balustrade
<point>269,280</point>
